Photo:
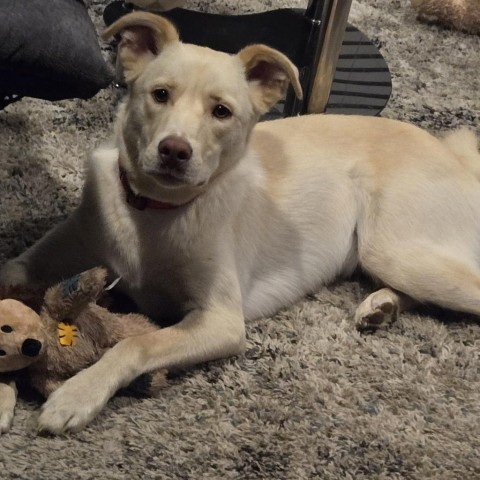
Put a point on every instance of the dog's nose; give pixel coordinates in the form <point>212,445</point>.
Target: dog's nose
<point>175,152</point>
<point>31,347</point>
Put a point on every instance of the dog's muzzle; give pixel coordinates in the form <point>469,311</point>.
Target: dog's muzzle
<point>174,153</point>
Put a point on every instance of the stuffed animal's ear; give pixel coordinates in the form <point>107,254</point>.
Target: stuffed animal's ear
<point>269,73</point>
<point>142,37</point>
<point>67,299</point>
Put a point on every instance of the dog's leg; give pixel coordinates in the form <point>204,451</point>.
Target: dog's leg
<point>381,308</point>
<point>428,274</point>
<point>8,399</point>
<point>61,253</point>
<point>202,335</point>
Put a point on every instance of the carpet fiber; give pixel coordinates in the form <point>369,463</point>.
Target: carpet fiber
<point>311,397</point>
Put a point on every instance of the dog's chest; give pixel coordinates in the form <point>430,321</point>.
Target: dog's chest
<point>155,256</point>
<point>140,249</point>
<point>137,244</point>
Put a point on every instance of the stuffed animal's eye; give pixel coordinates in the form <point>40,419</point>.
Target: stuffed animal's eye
<point>161,95</point>
<point>7,329</point>
<point>2,353</point>
<point>221,111</point>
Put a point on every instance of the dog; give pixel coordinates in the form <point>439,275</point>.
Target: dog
<point>213,219</point>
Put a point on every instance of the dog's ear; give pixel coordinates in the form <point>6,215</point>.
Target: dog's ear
<point>268,72</point>
<point>142,37</point>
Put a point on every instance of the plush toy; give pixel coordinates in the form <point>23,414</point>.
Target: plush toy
<point>70,333</point>
<point>460,14</point>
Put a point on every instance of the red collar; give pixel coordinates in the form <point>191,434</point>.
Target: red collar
<point>138,201</point>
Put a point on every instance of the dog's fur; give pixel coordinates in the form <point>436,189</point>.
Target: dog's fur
<point>262,215</point>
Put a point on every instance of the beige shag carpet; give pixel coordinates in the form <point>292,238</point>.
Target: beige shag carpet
<point>311,397</point>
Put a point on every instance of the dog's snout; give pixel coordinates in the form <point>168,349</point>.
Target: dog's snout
<point>174,153</point>
<point>31,347</point>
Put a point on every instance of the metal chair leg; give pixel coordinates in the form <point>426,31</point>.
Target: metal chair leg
<point>336,22</point>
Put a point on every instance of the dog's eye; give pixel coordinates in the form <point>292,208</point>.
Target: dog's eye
<point>160,95</point>
<point>7,329</point>
<point>221,111</point>
<point>2,353</point>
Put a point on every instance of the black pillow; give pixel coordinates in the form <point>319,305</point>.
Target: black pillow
<point>49,49</point>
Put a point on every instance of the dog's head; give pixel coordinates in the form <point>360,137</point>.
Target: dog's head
<point>190,109</point>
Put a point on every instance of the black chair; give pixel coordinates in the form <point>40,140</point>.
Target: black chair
<point>341,70</point>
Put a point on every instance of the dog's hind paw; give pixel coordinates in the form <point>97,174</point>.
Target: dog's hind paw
<point>378,310</point>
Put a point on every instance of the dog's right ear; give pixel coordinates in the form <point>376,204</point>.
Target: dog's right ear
<point>143,35</point>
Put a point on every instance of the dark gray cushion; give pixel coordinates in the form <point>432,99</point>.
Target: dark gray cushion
<point>49,49</point>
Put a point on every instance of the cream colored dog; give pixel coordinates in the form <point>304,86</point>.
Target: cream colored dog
<point>214,220</point>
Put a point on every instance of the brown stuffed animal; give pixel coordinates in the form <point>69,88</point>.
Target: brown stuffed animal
<point>460,14</point>
<point>71,333</point>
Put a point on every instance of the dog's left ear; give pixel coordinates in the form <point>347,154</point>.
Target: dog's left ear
<point>268,72</point>
<point>143,36</point>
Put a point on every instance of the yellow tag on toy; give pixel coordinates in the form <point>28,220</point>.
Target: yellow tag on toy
<point>67,334</point>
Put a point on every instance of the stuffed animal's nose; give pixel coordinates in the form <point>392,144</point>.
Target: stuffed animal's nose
<point>31,347</point>
<point>174,152</point>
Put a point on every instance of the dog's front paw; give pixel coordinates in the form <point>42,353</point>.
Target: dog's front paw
<point>376,311</point>
<point>14,273</point>
<point>74,405</point>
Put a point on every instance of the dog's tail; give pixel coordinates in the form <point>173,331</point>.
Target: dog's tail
<point>464,144</point>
